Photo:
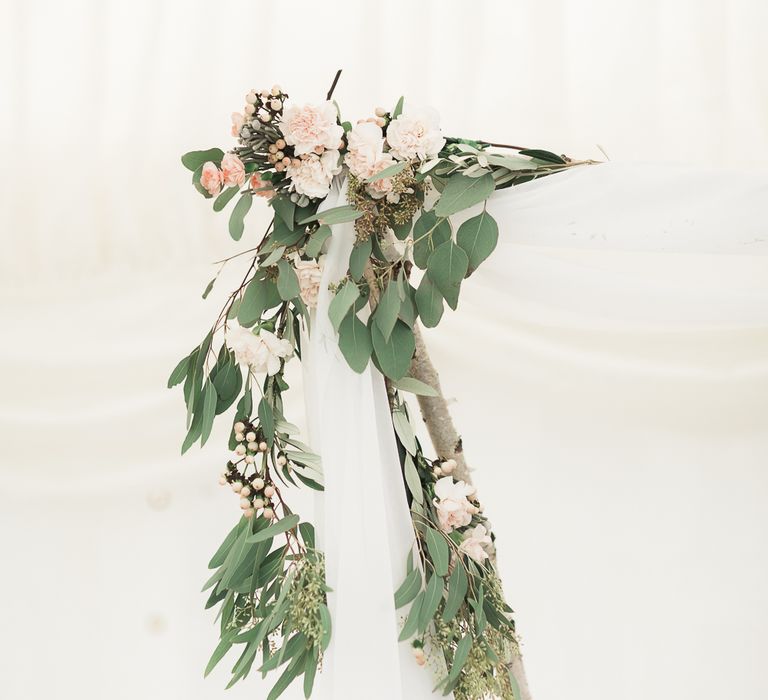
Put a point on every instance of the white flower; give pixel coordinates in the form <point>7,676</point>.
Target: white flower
<point>260,353</point>
<point>310,273</point>
<point>415,134</point>
<point>365,144</point>
<point>453,508</point>
<point>476,544</point>
<point>308,127</point>
<point>313,175</point>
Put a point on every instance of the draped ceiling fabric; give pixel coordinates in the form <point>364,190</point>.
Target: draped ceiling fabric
<point>607,365</point>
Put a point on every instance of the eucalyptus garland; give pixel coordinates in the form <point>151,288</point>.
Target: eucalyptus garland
<point>404,183</point>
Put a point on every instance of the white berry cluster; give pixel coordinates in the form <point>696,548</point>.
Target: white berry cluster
<point>444,468</point>
<point>255,491</point>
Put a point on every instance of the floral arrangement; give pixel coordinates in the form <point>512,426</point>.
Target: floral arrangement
<point>404,180</point>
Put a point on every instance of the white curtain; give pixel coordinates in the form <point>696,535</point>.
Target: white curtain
<point>608,365</point>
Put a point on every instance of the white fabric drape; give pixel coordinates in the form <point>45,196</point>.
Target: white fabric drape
<point>364,525</point>
<point>610,384</point>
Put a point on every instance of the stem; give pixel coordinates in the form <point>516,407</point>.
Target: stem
<point>333,85</point>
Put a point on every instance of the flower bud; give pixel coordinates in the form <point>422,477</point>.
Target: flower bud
<point>237,486</point>
<point>258,503</point>
<point>276,105</point>
<point>253,446</point>
<point>268,513</point>
<point>282,460</point>
<point>286,161</point>
<point>239,427</point>
<point>263,447</point>
<point>437,471</point>
<point>280,143</point>
<point>258,483</point>
<point>380,111</point>
<point>248,513</point>
<point>276,90</point>
<point>239,437</point>
<point>273,148</point>
<point>245,491</point>
<point>249,110</point>
<point>223,480</point>
<point>245,503</point>
<point>251,97</point>
<point>240,449</point>
<point>249,459</point>
<point>269,491</point>
<point>251,436</point>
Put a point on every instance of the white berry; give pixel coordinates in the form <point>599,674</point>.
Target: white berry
<point>263,447</point>
<point>245,503</point>
<point>250,98</point>
<point>249,459</point>
<point>237,486</point>
<point>240,450</point>
<point>258,503</point>
<point>239,437</point>
<point>268,513</point>
<point>250,436</point>
<point>248,513</point>
<point>282,460</point>
<point>380,111</point>
<point>258,483</point>
<point>269,491</point>
<point>253,446</point>
<point>222,480</point>
<point>437,471</point>
<point>239,427</point>
<point>245,491</point>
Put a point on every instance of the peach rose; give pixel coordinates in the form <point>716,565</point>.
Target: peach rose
<point>311,128</point>
<point>233,170</point>
<point>258,185</point>
<point>211,178</point>
<point>309,273</point>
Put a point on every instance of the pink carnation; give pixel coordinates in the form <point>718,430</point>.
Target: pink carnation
<point>233,170</point>
<point>211,178</point>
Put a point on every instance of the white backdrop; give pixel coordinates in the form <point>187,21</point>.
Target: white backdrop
<point>622,459</point>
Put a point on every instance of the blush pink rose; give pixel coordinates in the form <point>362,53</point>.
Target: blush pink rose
<point>311,128</point>
<point>211,178</point>
<point>258,185</point>
<point>452,506</point>
<point>233,170</point>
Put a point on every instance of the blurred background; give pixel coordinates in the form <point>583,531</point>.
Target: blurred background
<point>624,466</point>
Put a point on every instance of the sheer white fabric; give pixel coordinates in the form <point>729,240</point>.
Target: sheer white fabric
<point>364,525</point>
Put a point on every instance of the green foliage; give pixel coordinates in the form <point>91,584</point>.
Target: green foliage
<point>462,192</point>
<point>477,237</point>
<point>355,342</point>
<point>345,297</point>
<point>237,218</point>
<point>446,268</point>
<point>393,353</point>
<point>196,159</point>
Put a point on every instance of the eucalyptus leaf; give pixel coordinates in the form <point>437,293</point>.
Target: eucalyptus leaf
<point>359,258</point>
<point>459,659</point>
<point>428,233</point>
<point>195,159</point>
<point>438,551</point>
<point>457,591</point>
<point>394,354</point>
<point>219,653</point>
<point>267,420</point>
<point>404,430</point>
<point>355,342</point>
<point>345,297</point>
<point>409,589</point>
<point>336,215</point>
<point>179,373</point>
<point>414,386</point>
<point>412,622</point>
<point>315,245</point>
<point>287,281</point>
<point>224,198</point>
<point>387,310</point>
<point>432,597</point>
<point>429,302</point>
<point>284,208</point>
<point>283,525</point>
<point>237,218</point>
<point>463,192</point>
<point>390,171</point>
<point>446,268</point>
<point>398,110</point>
<point>412,479</point>
<point>477,237</point>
